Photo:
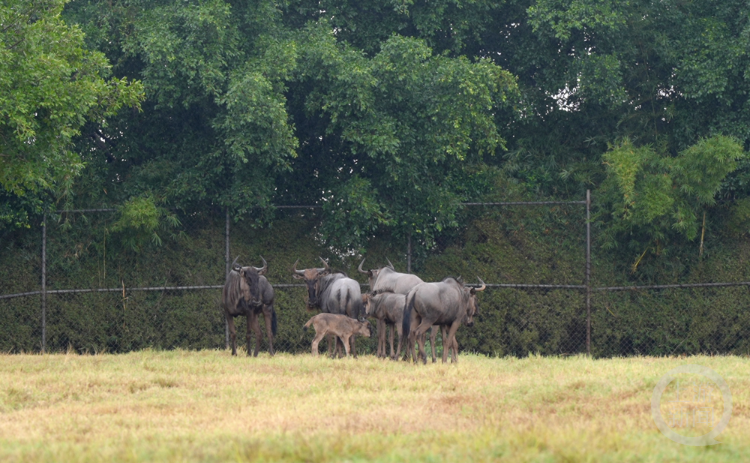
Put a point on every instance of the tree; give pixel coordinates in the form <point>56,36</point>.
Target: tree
<point>243,110</point>
<point>649,197</point>
<point>215,130</point>
<point>401,132</point>
<point>50,85</point>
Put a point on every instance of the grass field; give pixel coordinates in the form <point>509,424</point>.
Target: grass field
<point>207,406</point>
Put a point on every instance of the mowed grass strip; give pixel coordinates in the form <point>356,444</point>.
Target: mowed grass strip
<point>208,406</point>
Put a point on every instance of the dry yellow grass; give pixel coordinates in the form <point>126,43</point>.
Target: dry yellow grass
<point>208,406</point>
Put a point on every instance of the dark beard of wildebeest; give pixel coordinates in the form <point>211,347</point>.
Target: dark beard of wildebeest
<point>447,303</point>
<point>248,293</point>
<point>332,292</point>
<point>387,279</point>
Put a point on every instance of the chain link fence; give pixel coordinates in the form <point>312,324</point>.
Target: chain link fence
<point>73,285</point>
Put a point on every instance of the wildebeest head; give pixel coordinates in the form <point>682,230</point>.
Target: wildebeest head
<point>372,274</point>
<point>364,328</point>
<point>312,278</point>
<point>473,305</point>
<point>249,282</point>
<point>368,303</point>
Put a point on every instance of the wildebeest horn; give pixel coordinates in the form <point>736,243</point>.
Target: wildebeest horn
<point>234,262</point>
<point>262,270</point>
<point>294,268</point>
<point>484,286</point>
<point>390,264</point>
<point>360,268</point>
<point>324,263</point>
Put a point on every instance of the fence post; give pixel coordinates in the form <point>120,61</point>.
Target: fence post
<point>226,273</point>
<point>588,272</point>
<point>44,283</point>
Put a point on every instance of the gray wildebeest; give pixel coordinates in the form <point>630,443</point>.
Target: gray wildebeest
<point>331,292</point>
<point>340,326</point>
<point>447,303</point>
<point>388,308</point>
<point>248,293</point>
<point>387,279</point>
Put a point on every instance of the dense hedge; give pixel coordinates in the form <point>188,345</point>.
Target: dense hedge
<point>511,245</point>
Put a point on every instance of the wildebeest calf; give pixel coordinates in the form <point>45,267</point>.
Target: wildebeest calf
<point>339,325</point>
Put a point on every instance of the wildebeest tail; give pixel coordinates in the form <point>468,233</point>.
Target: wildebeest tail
<point>309,322</point>
<point>358,309</point>
<point>274,322</point>
<point>406,324</point>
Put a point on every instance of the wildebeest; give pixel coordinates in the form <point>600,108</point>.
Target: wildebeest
<point>448,303</point>
<point>341,326</point>
<point>388,308</point>
<point>331,292</point>
<point>387,279</point>
<point>248,293</point>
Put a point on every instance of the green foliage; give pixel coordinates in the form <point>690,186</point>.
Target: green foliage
<point>50,85</point>
<point>139,222</point>
<point>353,214</point>
<point>648,195</point>
<point>739,220</point>
<point>407,121</point>
<point>216,129</point>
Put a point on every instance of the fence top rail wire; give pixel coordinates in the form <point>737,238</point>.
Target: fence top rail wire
<point>296,285</point>
<point>673,286</point>
<point>66,211</point>
<point>317,206</point>
<point>524,203</point>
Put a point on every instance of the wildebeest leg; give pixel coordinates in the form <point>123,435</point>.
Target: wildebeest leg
<point>353,347</point>
<point>454,345</point>
<point>451,340</point>
<point>399,332</point>
<point>345,340</point>
<point>409,350</point>
<point>444,334</point>
<point>252,324</point>
<point>338,346</point>
<point>419,334</point>
<point>258,333</point>
<point>332,345</point>
<point>382,327</point>
<point>411,346</point>
<point>268,317</point>
<point>390,340</point>
<point>422,353</point>
<point>232,333</point>
<point>316,341</point>
<point>433,335</point>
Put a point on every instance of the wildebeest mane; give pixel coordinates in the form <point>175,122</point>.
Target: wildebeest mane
<point>458,280</point>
